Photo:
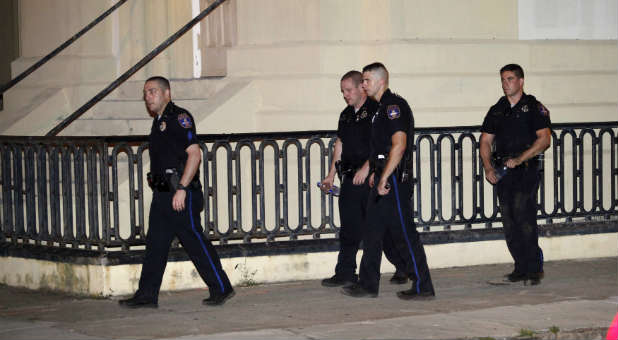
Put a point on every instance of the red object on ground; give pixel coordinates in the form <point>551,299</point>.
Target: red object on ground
<point>612,332</point>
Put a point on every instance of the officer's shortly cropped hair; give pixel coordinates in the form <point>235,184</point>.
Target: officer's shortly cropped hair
<point>355,76</point>
<point>516,69</point>
<point>163,82</point>
<point>377,68</point>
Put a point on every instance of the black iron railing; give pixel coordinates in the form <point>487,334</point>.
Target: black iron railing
<point>90,193</point>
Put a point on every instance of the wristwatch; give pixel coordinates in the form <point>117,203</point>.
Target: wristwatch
<point>182,187</point>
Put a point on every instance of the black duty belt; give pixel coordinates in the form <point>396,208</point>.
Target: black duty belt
<point>401,173</point>
<point>345,169</point>
<point>499,160</point>
<point>170,181</point>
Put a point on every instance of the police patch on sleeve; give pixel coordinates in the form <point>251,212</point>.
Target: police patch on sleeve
<point>543,110</point>
<point>393,111</point>
<point>185,121</point>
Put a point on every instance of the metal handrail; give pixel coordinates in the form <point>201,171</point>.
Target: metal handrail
<point>99,96</point>
<point>70,191</point>
<point>59,49</point>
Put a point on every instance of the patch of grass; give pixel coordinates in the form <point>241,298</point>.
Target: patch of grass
<point>487,338</point>
<point>246,275</point>
<point>554,329</point>
<point>526,333</point>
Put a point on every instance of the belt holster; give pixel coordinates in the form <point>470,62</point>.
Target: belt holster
<point>170,181</point>
<point>157,182</point>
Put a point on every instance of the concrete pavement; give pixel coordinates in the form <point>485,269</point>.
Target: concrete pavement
<point>577,299</point>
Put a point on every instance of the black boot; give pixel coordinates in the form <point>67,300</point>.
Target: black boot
<point>138,302</point>
<point>399,278</point>
<point>218,299</point>
<point>358,291</point>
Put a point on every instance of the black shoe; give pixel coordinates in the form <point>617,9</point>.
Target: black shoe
<point>138,302</point>
<point>357,290</point>
<point>337,281</point>
<point>534,278</point>
<point>411,294</point>
<point>515,277</point>
<point>399,278</point>
<point>218,299</point>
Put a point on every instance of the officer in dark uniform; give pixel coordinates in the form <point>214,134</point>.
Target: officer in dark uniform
<point>350,160</point>
<point>177,201</point>
<point>521,129</point>
<point>388,205</point>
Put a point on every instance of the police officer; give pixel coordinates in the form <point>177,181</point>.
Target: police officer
<point>520,127</point>
<point>177,201</point>
<point>350,159</point>
<point>388,205</point>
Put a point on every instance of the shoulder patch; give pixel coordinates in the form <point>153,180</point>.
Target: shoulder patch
<point>543,110</point>
<point>393,111</point>
<point>185,121</point>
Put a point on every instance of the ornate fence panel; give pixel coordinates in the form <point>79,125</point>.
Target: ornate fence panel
<point>90,193</point>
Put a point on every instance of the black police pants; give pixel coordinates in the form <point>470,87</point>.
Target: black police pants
<point>393,213</point>
<point>517,194</point>
<point>352,213</point>
<point>164,224</point>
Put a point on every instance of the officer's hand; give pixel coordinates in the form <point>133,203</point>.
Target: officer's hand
<point>360,176</point>
<point>327,184</point>
<point>490,174</point>
<point>383,187</point>
<point>371,180</point>
<point>178,202</point>
<point>513,162</point>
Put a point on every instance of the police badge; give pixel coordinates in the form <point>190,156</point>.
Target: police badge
<point>524,108</point>
<point>162,126</point>
<point>543,110</point>
<point>393,112</point>
<point>184,121</point>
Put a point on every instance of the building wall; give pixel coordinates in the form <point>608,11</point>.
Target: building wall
<point>9,39</point>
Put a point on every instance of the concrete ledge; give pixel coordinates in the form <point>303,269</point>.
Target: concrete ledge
<point>117,273</point>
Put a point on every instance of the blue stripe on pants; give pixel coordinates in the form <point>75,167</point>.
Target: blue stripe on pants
<point>202,243</point>
<point>405,234</point>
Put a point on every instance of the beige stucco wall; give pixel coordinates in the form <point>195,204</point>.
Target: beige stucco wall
<point>9,38</point>
<point>443,56</point>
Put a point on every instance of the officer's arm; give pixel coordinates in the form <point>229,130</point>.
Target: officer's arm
<point>336,157</point>
<point>327,182</point>
<point>193,161</point>
<point>487,140</point>
<point>398,148</point>
<point>542,142</point>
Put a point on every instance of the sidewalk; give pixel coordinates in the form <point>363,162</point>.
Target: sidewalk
<point>580,298</point>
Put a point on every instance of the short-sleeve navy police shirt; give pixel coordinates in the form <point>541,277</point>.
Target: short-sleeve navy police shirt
<point>354,130</point>
<point>515,127</point>
<point>171,134</point>
<point>393,115</point>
